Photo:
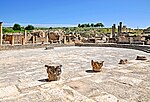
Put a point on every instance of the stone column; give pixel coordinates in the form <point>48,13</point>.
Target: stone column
<point>23,41</point>
<point>120,29</point>
<point>25,36</point>
<point>33,39</point>
<point>113,30</point>
<point>12,40</point>
<point>120,24</point>
<point>47,39</point>
<point>65,40</point>
<point>1,35</point>
<point>59,41</point>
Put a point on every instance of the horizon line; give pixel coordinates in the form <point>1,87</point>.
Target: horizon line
<point>52,25</point>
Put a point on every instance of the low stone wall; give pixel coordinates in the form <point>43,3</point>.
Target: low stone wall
<point>31,46</point>
<point>145,48</point>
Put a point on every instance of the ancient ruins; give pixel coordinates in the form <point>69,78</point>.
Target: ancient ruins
<point>38,37</point>
<point>24,78</point>
<point>120,35</point>
<point>127,36</point>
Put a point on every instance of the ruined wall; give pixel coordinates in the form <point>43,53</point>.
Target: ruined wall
<point>145,48</point>
<point>32,46</point>
<point>8,39</point>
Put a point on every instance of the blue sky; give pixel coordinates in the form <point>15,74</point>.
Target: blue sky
<point>132,13</point>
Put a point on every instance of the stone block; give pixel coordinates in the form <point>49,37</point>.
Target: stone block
<point>123,61</point>
<point>97,66</point>
<point>53,72</point>
<point>141,58</point>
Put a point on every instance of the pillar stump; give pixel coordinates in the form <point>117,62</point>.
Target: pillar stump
<point>12,40</point>
<point>53,72</point>
<point>33,39</point>
<point>25,37</point>
<point>97,66</point>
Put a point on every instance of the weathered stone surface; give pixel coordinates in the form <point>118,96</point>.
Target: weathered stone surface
<point>23,76</point>
<point>129,80</point>
<point>8,91</point>
<point>106,98</point>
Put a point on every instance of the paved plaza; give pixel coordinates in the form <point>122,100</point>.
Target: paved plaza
<point>23,75</point>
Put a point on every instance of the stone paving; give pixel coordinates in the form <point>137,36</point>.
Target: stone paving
<point>22,75</point>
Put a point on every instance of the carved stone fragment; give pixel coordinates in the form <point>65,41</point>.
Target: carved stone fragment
<point>53,72</point>
<point>123,61</point>
<point>97,66</point>
<point>141,58</point>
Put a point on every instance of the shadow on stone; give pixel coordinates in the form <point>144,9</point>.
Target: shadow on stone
<point>91,71</point>
<point>43,80</point>
<point>49,47</point>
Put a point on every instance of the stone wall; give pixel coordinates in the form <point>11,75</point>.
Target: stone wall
<point>145,48</point>
<point>32,46</point>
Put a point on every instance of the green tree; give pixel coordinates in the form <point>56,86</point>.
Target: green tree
<point>99,25</point>
<point>92,25</point>
<point>16,27</point>
<point>102,25</point>
<point>29,27</point>
<point>88,25</point>
<point>82,25</point>
<point>50,27</point>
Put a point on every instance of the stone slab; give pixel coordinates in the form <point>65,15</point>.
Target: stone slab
<point>8,91</point>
